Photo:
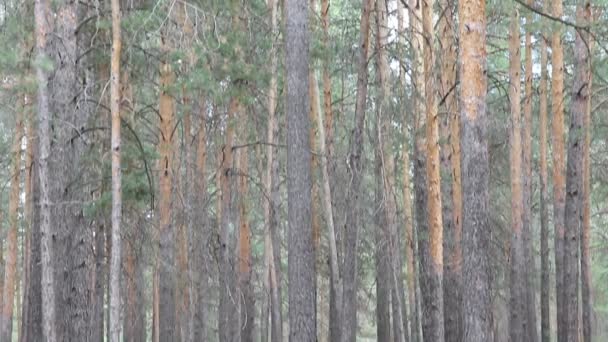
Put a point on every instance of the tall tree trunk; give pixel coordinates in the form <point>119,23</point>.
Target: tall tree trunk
<point>354,166</point>
<point>247,309</point>
<point>271,186</point>
<point>391,248</point>
<point>451,188</point>
<point>10,270</point>
<point>335,322</point>
<point>431,245</point>
<point>133,320</point>
<point>201,261</point>
<point>477,300</point>
<point>559,180</point>
<point>302,294</point>
<point>166,274</point>
<point>574,175</point>
<point>545,299</point>
<point>529,262</point>
<point>314,107</point>
<point>586,224</point>
<point>227,310</point>
<point>28,211</point>
<point>47,288</point>
<point>382,216</point>
<point>517,305</point>
<point>115,263</point>
<point>383,288</point>
<point>415,19</point>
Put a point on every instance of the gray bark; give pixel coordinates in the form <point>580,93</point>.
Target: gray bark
<point>302,283</point>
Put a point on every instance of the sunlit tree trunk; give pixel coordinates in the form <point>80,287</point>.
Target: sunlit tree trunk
<point>431,246</point>
<point>477,299</point>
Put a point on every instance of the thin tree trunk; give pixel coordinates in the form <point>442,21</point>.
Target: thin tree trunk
<point>529,262</point>
<point>559,180</point>
<point>517,305</point>
<point>227,310</point>
<point>28,218</point>
<point>335,301</point>
<point>450,164</point>
<point>574,174</point>
<point>354,166</point>
<point>301,261</point>
<point>247,309</point>
<point>48,291</point>
<point>477,300</point>
<point>271,183</point>
<point>390,249</point>
<point>545,295</point>
<point>202,280</point>
<point>115,263</point>
<point>10,270</point>
<point>586,224</point>
<point>415,18</point>
<point>383,288</point>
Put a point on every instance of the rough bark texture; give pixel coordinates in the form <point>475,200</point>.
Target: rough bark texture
<point>450,171</point>
<point>545,294</point>
<point>228,330</point>
<point>354,166</point>
<point>200,255</point>
<point>517,302</point>
<point>574,177</point>
<point>302,294</point>
<point>477,301</point>
<point>10,270</point>
<point>271,190</point>
<point>28,213</point>
<point>586,286</point>
<point>527,235</point>
<point>415,18</point>
<point>383,288</point>
<point>431,241</point>
<point>166,274</point>
<point>247,309</point>
<point>115,264</point>
<point>47,291</point>
<point>134,329</point>
<point>559,180</point>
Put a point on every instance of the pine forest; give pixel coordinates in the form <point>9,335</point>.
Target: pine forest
<point>304,170</point>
